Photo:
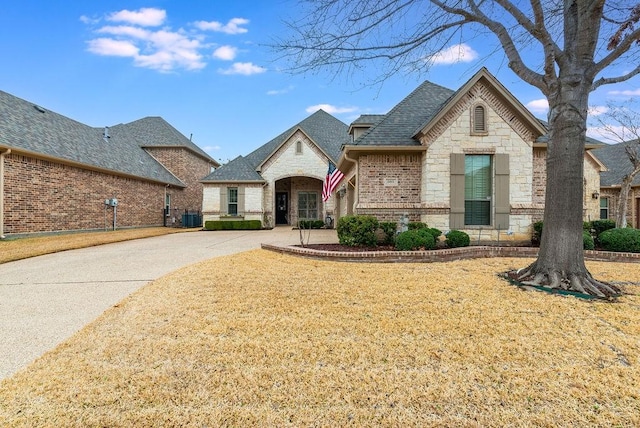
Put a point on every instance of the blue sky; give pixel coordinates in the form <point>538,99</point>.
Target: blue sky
<point>204,66</point>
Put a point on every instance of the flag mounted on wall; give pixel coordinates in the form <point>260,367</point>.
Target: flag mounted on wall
<point>331,181</point>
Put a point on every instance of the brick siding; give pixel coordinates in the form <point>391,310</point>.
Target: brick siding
<point>43,196</point>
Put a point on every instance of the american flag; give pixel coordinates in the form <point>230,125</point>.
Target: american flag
<point>331,181</point>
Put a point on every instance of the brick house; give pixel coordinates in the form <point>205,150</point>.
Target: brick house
<point>57,173</point>
<point>471,159</point>
<point>617,165</point>
<point>281,181</point>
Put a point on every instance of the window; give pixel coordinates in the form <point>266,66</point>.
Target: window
<point>604,208</point>
<point>477,190</point>
<point>298,147</point>
<point>479,120</point>
<point>232,200</point>
<point>307,205</point>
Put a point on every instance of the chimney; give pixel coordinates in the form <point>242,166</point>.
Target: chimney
<point>106,135</point>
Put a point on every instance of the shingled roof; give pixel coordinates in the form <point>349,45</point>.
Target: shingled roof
<point>398,127</point>
<point>31,129</point>
<point>617,162</point>
<point>154,131</point>
<point>327,132</point>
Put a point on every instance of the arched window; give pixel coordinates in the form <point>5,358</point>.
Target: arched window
<point>298,147</point>
<point>479,125</point>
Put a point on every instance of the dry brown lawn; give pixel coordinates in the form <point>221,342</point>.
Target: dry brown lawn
<point>22,248</point>
<point>263,339</point>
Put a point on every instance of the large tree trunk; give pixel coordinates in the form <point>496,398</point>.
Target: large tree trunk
<point>560,262</point>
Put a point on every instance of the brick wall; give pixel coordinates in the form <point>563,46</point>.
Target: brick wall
<point>392,179</point>
<point>190,169</point>
<point>43,196</point>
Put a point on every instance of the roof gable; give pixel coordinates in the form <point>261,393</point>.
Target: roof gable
<point>497,89</point>
<point>324,130</point>
<point>154,131</point>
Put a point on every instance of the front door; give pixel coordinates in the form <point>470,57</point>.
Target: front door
<point>282,208</point>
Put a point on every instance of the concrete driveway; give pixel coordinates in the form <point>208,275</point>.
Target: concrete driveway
<point>44,300</point>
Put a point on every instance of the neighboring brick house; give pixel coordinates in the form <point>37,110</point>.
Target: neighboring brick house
<point>57,173</point>
<point>281,181</point>
<point>471,159</point>
<point>617,165</point>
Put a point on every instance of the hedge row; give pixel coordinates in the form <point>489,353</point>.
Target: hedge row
<point>233,225</point>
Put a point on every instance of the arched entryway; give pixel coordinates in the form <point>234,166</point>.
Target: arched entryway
<point>298,198</point>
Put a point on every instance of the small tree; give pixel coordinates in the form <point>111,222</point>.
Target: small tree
<point>622,124</point>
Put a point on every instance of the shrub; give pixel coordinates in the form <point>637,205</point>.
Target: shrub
<point>310,224</point>
<point>621,239</point>
<point>587,241</point>
<point>457,238</point>
<point>389,229</point>
<point>232,225</point>
<point>537,233</point>
<point>357,230</point>
<point>600,226</point>
<point>415,225</point>
<point>434,232</point>
<point>415,239</point>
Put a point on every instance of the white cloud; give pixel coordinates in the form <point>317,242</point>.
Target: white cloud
<point>331,109</point>
<point>628,93</point>
<point>111,47</point>
<point>280,91</point>
<point>164,49</point>
<point>244,68</point>
<point>231,27</point>
<point>597,110</point>
<point>538,106</point>
<point>453,55</point>
<point>125,30</point>
<point>146,16</point>
<point>226,53</point>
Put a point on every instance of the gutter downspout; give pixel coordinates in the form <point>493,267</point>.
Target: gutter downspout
<point>357,193</point>
<point>2,156</point>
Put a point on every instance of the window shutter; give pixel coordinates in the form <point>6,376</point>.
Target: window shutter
<point>479,119</point>
<point>502,205</point>
<point>223,201</point>
<point>456,198</point>
<point>241,200</point>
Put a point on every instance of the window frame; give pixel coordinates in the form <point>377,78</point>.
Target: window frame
<point>306,208</point>
<point>231,203</point>
<point>606,209</point>
<point>486,200</point>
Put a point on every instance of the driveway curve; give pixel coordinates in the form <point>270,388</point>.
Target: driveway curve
<point>46,299</point>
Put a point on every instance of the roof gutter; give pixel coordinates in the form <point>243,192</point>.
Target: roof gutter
<point>2,156</point>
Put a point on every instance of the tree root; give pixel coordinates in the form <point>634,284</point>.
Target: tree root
<point>581,282</point>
